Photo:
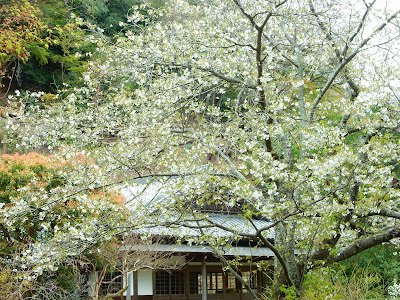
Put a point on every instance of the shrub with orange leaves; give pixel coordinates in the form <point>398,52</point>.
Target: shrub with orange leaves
<point>28,170</point>
<point>36,202</point>
<point>111,195</point>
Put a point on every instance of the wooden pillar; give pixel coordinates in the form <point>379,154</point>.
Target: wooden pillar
<point>224,283</point>
<point>187,284</point>
<point>241,286</point>
<point>204,279</point>
<point>169,286</point>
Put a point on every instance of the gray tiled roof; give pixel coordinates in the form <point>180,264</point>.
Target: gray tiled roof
<point>212,224</point>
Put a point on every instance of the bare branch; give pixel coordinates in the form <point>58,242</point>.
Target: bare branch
<point>238,277</point>
<point>360,26</point>
<point>251,19</point>
<point>277,47</point>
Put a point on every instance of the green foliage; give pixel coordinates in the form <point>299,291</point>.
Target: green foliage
<point>48,66</point>
<point>37,35</point>
<point>16,173</point>
<point>67,277</point>
<point>320,285</point>
<point>109,14</point>
<point>333,283</point>
<point>353,139</point>
<point>39,53</point>
<point>383,260</point>
<point>396,170</point>
<point>7,282</point>
<point>334,117</point>
<point>64,62</point>
<point>54,12</point>
<point>20,29</point>
<point>289,291</point>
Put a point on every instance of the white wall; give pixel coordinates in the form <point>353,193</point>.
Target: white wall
<point>145,282</point>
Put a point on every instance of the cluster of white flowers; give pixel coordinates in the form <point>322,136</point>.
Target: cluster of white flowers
<point>394,290</point>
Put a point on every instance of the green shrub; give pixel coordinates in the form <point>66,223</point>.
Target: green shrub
<point>335,284</point>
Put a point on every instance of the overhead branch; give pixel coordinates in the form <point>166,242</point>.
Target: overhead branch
<point>238,277</point>
<point>230,269</point>
<point>258,235</point>
<point>360,26</point>
<point>248,16</point>
<point>325,30</point>
<point>259,61</point>
<point>225,157</point>
<point>375,132</point>
<point>341,54</point>
<point>235,43</point>
<point>300,210</point>
<point>384,212</point>
<point>210,71</point>
<point>226,78</point>
<point>326,246</point>
<point>277,47</point>
<point>251,18</point>
<point>366,243</point>
<point>117,294</point>
<point>300,89</point>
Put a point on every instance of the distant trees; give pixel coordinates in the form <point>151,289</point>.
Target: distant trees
<point>20,28</point>
<point>47,43</point>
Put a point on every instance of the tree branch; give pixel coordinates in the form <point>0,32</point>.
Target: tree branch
<point>362,22</point>
<point>344,62</point>
<point>384,212</point>
<point>117,294</point>
<point>278,255</point>
<point>366,243</point>
<point>340,55</point>
<point>212,72</point>
<point>251,19</point>
<point>238,277</point>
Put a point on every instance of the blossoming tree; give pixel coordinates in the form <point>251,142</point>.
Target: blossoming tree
<point>45,226</point>
<point>287,110</point>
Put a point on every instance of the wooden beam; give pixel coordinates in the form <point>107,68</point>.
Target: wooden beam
<point>204,279</point>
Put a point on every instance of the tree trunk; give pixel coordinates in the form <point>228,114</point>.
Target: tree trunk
<point>284,237</point>
<point>279,277</point>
